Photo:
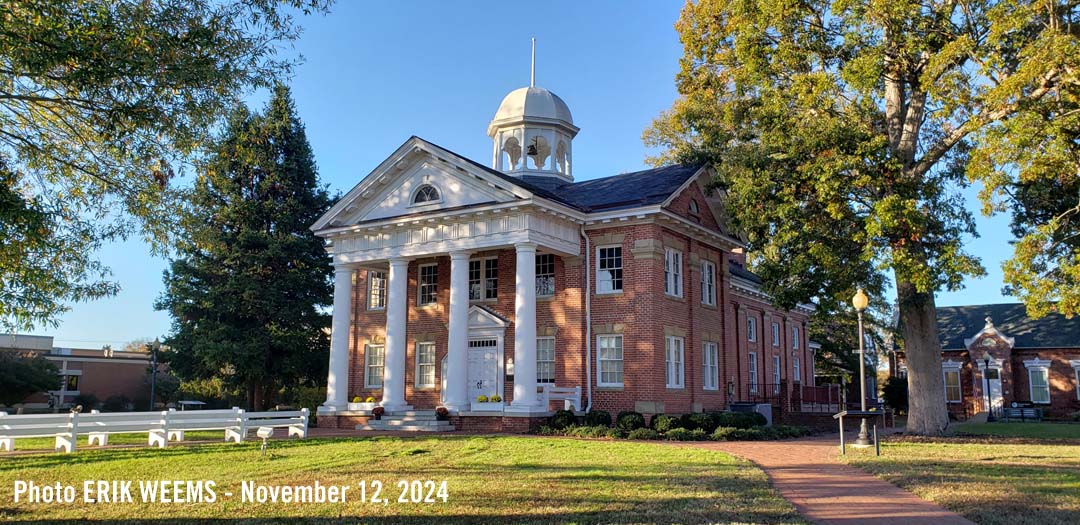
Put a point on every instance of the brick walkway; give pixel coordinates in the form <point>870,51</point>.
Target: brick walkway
<point>827,492</point>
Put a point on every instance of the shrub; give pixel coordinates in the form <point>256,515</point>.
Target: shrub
<point>586,431</point>
<point>118,403</point>
<point>684,434</point>
<point>378,412</point>
<point>747,434</point>
<point>644,433</point>
<point>1075,416</point>
<point>733,419</point>
<point>481,398</point>
<point>369,399</point>
<point>598,418</point>
<point>88,402</point>
<point>758,419</point>
<point>545,430</point>
<point>496,398</point>
<point>442,413</point>
<point>663,423</point>
<point>695,421</point>
<point>724,434</point>
<point>629,421</point>
<point>563,419</point>
<point>895,394</point>
<point>356,399</point>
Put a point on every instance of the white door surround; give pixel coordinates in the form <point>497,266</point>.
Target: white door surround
<point>485,370</point>
<point>993,377</point>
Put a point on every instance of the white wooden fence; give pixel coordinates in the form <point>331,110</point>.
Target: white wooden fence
<point>161,427</point>
<point>571,396</point>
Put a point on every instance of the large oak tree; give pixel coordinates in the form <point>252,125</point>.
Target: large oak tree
<point>101,105</point>
<point>843,133</point>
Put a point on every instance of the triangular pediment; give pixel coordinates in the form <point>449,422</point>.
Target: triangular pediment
<point>480,317</point>
<point>389,191</point>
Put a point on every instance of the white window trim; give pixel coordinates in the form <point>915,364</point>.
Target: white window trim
<point>796,337</point>
<point>599,376</point>
<point>710,380</point>
<point>775,334</point>
<point>751,333</point>
<point>752,369</point>
<point>553,350</point>
<point>622,261</point>
<point>419,284</point>
<point>673,273</point>
<point>368,385</point>
<point>1038,365</point>
<point>483,279</point>
<point>951,366</point>
<point>1076,373</point>
<point>675,369</point>
<point>708,283</point>
<point>386,285</point>
<point>554,288</point>
<point>434,362</point>
<point>796,370</point>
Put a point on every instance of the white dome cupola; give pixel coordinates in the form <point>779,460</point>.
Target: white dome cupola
<point>532,133</point>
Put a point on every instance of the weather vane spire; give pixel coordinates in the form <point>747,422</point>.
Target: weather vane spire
<point>532,71</point>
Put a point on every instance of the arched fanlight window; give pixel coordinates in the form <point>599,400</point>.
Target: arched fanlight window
<point>693,207</point>
<point>426,193</point>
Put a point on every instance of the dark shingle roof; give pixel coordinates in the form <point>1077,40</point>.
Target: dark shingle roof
<point>739,270</point>
<point>956,323</point>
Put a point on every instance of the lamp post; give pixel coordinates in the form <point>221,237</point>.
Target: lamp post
<point>989,402</point>
<point>154,347</point>
<point>860,302</point>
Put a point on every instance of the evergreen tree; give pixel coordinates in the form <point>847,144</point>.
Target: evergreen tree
<point>249,289</point>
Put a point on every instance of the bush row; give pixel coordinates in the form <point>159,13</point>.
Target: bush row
<point>679,433</point>
<point>629,421</point>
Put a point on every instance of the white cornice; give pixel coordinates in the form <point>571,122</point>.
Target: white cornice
<point>1037,363</point>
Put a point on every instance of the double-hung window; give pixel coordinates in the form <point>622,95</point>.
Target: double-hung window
<point>545,359</point>
<point>776,374</point>
<point>752,367</point>
<point>796,370</point>
<point>483,279</point>
<point>1040,385</point>
<point>609,267</point>
<point>708,283</point>
<point>952,385</point>
<point>425,365</point>
<point>751,329</point>
<point>673,272</point>
<point>676,362</point>
<point>545,275</point>
<point>795,339</point>
<point>376,290</point>
<point>776,334</point>
<point>374,360</point>
<point>609,360</point>
<point>428,287</point>
<point>711,368</point>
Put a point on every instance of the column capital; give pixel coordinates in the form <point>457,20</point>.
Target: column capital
<point>460,254</point>
<point>344,268</point>
<point>399,261</point>
<point>525,247</point>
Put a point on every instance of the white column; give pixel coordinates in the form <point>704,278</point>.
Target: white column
<point>525,330</point>
<point>337,379</point>
<point>397,290</point>
<point>457,358</point>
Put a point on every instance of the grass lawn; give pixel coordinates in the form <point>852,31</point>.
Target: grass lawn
<point>1020,430</point>
<point>988,482</point>
<point>489,480</point>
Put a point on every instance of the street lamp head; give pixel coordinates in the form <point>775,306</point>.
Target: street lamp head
<point>860,301</point>
<point>986,358</point>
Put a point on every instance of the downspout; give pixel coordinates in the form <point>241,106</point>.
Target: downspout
<point>588,324</point>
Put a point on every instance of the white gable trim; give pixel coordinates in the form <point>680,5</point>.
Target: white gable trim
<point>990,331</point>
<point>1036,364</point>
<point>951,365</point>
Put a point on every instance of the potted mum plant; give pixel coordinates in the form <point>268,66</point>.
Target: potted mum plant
<point>378,412</point>
<point>442,413</point>
<point>367,404</point>
<point>487,404</point>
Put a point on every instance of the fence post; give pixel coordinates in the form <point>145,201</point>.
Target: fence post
<point>66,441</point>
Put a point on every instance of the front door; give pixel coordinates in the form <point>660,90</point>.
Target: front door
<point>483,368</point>
<point>993,376</point>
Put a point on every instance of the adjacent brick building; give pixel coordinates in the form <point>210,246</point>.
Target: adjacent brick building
<point>1032,362</point>
<point>455,280</point>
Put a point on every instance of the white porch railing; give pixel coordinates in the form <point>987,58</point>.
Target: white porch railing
<point>571,396</point>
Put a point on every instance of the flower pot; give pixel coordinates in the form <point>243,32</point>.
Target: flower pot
<point>367,407</point>
<point>487,406</point>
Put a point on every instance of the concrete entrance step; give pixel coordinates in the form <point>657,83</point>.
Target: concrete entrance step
<point>409,428</point>
<point>410,421</point>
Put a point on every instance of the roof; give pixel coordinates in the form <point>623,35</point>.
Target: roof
<point>739,270</point>
<point>626,190</point>
<point>532,103</point>
<point>957,323</point>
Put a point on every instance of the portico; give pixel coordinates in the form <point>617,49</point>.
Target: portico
<point>500,217</point>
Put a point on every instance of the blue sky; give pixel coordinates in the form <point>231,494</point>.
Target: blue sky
<point>376,73</point>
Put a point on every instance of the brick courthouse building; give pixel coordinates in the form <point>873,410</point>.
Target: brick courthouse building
<point>455,280</point>
<point>1033,362</point>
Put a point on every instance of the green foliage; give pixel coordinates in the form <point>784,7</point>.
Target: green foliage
<point>844,133</point>
<point>698,421</point>
<point>741,420</point>
<point>563,419</point>
<point>247,292</point>
<point>895,394</point>
<point>481,398</point>
<point>586,431</point>
<point>629,421</point>
<point>24,375</point>
<point>88,401</point>
<point>644,434</point>
<point>102,105</point>
<point>663,422</point>
<point>683,434</point>
<point>213,391</point>
<point>119,403</point>
<point>598,418</point>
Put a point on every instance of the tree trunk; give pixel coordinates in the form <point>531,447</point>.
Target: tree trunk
<point>260,399</point>
<point>927,414</point>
